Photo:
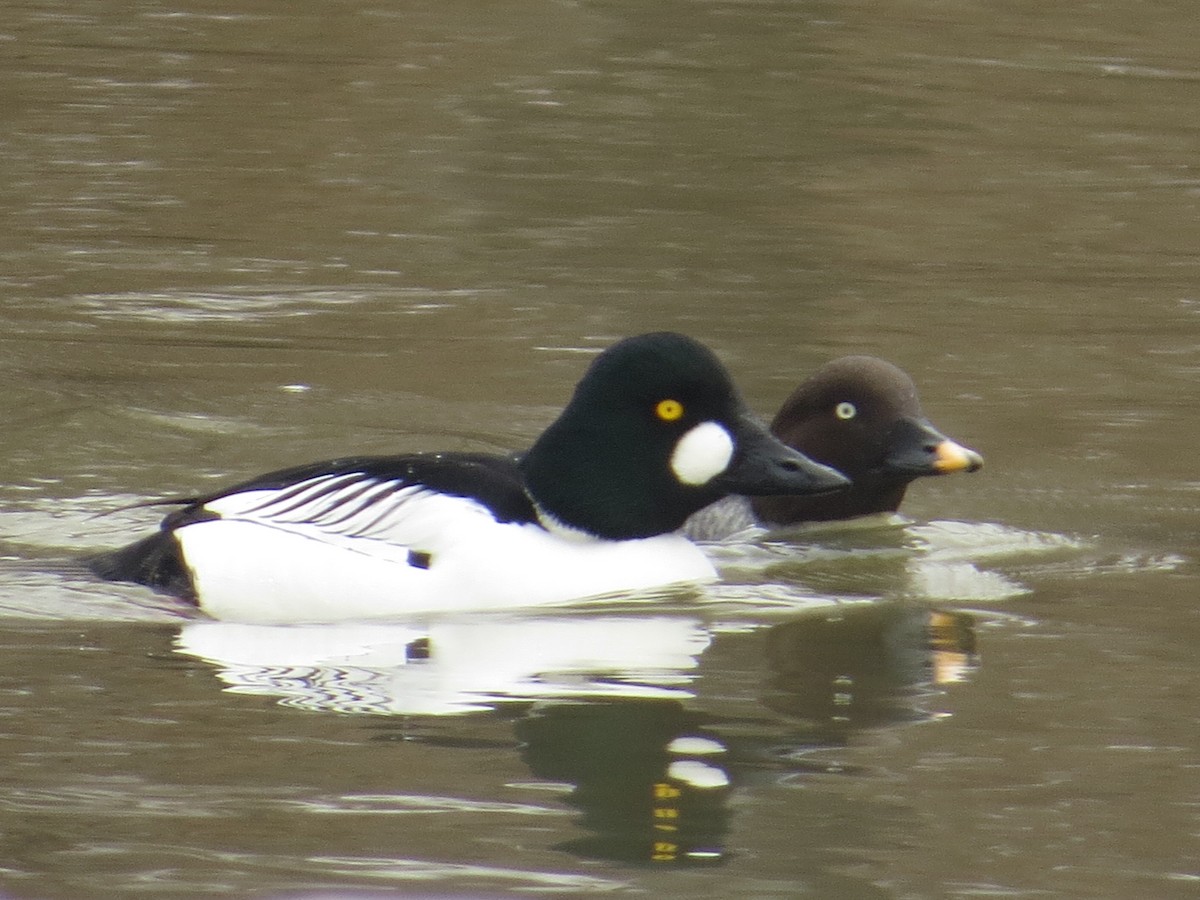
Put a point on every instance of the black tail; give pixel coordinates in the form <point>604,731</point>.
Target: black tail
<point>154,561</point>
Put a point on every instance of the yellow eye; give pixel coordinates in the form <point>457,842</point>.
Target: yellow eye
<point>668,410</point>
<point>845,410</point>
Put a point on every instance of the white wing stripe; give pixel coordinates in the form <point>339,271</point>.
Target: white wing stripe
<point>352,505</point>
<point>382,515</point>
<point>347,507</point>
<point>298,495</point>
<point>329,503</point>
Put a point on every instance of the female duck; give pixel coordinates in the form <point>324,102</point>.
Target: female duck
<point>860,415</point>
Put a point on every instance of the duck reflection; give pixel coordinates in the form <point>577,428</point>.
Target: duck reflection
<point>650,722</point>
<point>651,784</point>
<point>862,666</point>
<point>454,666</point>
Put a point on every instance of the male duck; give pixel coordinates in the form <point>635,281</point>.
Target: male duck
<point>654,432</point>
<point>860,415</point>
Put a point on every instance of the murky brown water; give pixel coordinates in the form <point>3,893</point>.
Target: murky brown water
<point>239,237</point>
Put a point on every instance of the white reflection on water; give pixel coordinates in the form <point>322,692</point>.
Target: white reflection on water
<point>454,666</point>
<point>893,557</point>
<point>259,304</point>
<point>419,870</point>
<point>416,804</point>
<point>65,593</point>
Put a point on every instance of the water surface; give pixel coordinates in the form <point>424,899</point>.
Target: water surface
<point>242,237</point>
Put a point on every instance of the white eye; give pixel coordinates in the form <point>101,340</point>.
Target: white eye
<point>845,410</point>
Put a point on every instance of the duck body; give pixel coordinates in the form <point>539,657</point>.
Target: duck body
<point>860,415</point>
<point>654,432</point>
<point>372,537</point>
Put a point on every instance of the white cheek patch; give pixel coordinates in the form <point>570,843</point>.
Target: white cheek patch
<point>702,454</point>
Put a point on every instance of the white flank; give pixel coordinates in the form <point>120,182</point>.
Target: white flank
<point>338,549</point>
<point>702,454</point>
